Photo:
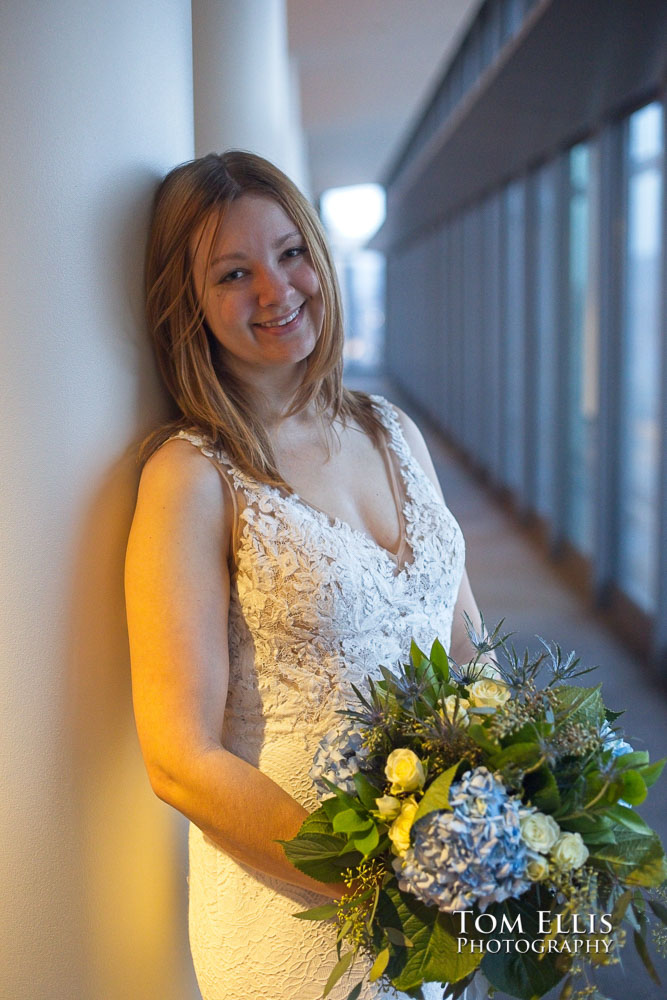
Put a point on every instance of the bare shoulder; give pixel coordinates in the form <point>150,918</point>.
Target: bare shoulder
<point>413,435</point>
<point>180,486</point>
<point>417,445</point>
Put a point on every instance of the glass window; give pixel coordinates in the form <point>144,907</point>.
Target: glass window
<point>491,357</point>
<point>512,17</point>
<point>455,326</point>
<point>546,268</point>
<point>472,331</point>
<point>582,407</point>
<point>512,370</point>
<point>640,435</point>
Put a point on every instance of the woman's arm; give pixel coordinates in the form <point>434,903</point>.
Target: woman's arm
<point>177,592</point>
<point>461,648</point>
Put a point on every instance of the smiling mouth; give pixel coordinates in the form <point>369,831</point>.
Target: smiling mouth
<point>282,321</point>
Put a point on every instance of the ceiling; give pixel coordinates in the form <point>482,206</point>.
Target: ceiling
<point>366,68</point>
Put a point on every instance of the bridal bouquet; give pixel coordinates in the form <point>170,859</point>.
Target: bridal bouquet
<point>483,820</point>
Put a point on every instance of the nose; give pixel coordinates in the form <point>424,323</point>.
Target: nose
<point>272,287</point>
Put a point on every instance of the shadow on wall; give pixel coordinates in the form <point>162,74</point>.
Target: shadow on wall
<point>132,848</point>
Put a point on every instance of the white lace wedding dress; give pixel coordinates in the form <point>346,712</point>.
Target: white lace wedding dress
<point>315,604</point>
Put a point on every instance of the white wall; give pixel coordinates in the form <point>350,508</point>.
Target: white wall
<point>97,103</point>
<point>246,91</point>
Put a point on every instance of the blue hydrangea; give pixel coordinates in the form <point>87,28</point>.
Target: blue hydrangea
<point>610,741</point>
<point>338,758</point>
<point>618,747</point>
<point>472,855</point>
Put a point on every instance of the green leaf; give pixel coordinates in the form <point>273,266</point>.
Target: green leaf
<point>629,819</point>
<point>338,971</point>
<point>652,772</point>
<point>659,909</point>
<point>478,733</point>
<point>416,655</point>
<point>620,906</point>
<point>318,821</point>
<point>541,789</point>
<point>379,965</point>
<point>634,787</point>
<point>397,937</point>
<point>642,951</point>
<point>636,859</point>
<point>318,912</point>
<point>332,807</point>
<point>349,821</point>
<point>319,855</point>
<point>612,716</point>
<point>367,842</point>
<point>371,916</point>
<point>568,989</point>
<point>366,791</point>
<point>580,704</point>
<point>440,660</point>
<point>434,956</point>
<point>343,931</point>
<point>632,759</point>
<point>355,991</point>
<point>339,793</point>
<point>522,975</point>
<point>436,796</point>
<point>519,754</point>
<point>595,829</point>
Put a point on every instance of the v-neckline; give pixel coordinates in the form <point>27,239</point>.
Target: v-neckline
<point>397,558</point>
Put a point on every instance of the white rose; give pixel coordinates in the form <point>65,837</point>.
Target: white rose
<point>487,693</point>
<point>569,851</point>
<point>399,831</point>
<point>537,868</point>
<point>539,832</point>
<point>450,706</point>
<point>388,806</point>
<point>404,770</point>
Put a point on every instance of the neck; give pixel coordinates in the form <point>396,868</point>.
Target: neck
<point>271,391</point>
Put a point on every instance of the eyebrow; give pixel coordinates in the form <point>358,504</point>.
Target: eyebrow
<point>241,256</point>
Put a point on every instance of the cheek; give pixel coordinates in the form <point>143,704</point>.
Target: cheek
<point>224,311</point>
<point>309,281</point>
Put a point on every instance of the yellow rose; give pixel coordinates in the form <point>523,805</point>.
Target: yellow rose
<point>487,693</point>
<point>404,770</point>
<point>537,868</point>
<point>450,706</point>
<point>539,832</point>
<point>399,831</point>
<point>569,851</point>
<point>388,806</point>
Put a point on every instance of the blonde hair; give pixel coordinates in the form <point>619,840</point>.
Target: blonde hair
<point>209,397</point>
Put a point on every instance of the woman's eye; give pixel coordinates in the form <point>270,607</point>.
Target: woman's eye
<point>232,276</point>
<point>296,251</point>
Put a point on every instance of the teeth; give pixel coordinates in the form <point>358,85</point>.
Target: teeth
<point>283,322</point>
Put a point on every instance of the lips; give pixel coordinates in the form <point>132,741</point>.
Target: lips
<point>282,322</point>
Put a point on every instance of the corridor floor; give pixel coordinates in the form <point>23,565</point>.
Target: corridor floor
<point>511,579</point>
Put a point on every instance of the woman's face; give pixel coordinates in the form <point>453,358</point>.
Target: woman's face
<point>263,300</point>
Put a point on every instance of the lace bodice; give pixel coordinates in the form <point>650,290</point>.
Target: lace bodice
<point>315,604</point>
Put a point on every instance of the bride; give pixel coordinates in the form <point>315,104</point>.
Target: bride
<point>289,537</point>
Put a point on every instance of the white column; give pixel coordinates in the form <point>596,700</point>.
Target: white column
<point>96,105</point>
<point>243,84</point>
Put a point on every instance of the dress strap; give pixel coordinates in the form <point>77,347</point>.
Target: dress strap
<point>230,475</point>
<point>389,418</point>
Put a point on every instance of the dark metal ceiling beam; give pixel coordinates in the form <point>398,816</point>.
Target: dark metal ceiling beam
<point>574,64</point>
